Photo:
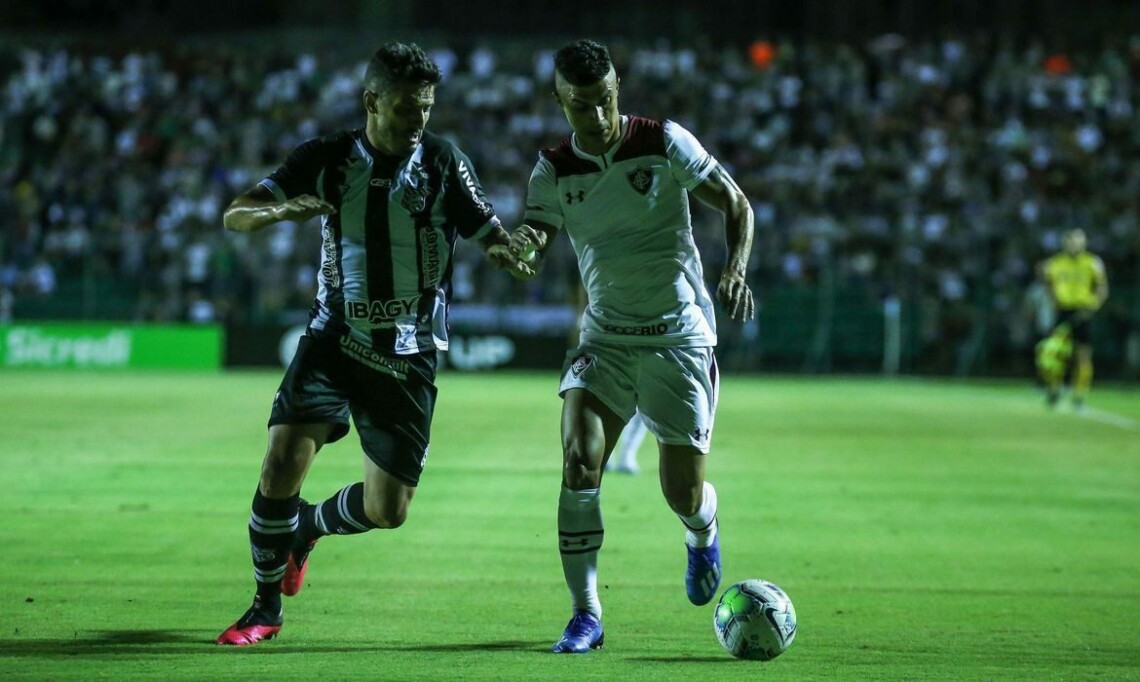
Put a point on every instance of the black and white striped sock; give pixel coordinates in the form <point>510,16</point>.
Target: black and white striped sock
<point>272,524</point>
<point>341,514</point>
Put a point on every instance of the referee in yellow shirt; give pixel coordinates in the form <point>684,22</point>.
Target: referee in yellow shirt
<point>1078,287</point>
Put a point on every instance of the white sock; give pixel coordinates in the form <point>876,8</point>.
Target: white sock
<point>579,538</point>
<point>700,528</point>
<point>630,441</point>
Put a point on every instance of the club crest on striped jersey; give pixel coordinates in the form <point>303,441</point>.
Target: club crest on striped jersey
<point>415,187</point>
<point>640,179</point>
<point>580,365</point>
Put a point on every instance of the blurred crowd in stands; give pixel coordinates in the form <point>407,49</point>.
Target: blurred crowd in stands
<point>934,174</point>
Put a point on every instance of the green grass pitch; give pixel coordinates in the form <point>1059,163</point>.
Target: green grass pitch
<point>924,530</point>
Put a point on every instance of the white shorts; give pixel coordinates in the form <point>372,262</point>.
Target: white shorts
<point>675,389</point>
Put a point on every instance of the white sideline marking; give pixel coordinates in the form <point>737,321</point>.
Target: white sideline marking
<point>1109,418</point>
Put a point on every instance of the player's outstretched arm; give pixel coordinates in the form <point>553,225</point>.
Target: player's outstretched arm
<point>258,209</point>
<point>1100,282</point>
<point>721,192</point>
<point>497,247</point>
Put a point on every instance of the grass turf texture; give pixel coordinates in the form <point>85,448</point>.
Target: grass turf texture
<point>924,530</point>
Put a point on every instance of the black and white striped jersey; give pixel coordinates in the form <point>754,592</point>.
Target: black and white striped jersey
<point>386,254</point>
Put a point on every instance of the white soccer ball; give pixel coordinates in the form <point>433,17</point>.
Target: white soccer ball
<point>755,619</point>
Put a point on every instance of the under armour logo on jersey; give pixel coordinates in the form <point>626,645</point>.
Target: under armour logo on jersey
<point>701,434</point>
<point>580,365</point>
<point>580,196</point>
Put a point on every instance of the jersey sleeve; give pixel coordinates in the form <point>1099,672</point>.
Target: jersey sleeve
<point>688,160</point>
<point>1100,275</point>
<point>465,204</point>
<point>298,175</point>
<point>542,203</point>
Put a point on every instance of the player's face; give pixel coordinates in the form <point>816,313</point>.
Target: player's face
<point>397,118</point>
<point>1074,241</point>
<point>591,110</point>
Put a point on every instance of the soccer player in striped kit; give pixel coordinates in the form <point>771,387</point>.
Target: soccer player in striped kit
<point>393,198</point>
<point>619,187</point>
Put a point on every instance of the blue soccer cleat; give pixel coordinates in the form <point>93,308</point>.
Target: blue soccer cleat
<point>703,575</point>
<point>582,633</point>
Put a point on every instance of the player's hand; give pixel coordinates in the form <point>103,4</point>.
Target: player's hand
<point>303,207</point>
<point>734,294</point>
<point>525,240</point>
<point>503,258</point>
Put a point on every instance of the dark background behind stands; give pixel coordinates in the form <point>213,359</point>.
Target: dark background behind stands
<point>909,156</point>
<point>1072,23</point>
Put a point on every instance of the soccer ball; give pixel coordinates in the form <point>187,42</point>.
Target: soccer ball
<point>754,619</point>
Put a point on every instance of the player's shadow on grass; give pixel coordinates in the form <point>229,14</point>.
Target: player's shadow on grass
<point>683,659</point>
<point>510,645</point>
<point>158,642</point>
<point>109,642</point>
<point>141,637</point>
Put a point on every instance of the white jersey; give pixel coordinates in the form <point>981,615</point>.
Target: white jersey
<point>627,215</point>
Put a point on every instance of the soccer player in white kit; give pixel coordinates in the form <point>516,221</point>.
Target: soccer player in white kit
<point>618,187</point>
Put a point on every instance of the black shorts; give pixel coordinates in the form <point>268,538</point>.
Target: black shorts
<point>389,397</point>
<point>1078,321</point>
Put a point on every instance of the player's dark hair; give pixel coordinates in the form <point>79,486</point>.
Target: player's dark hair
<point>583,62</point>
<point>400,64</point>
